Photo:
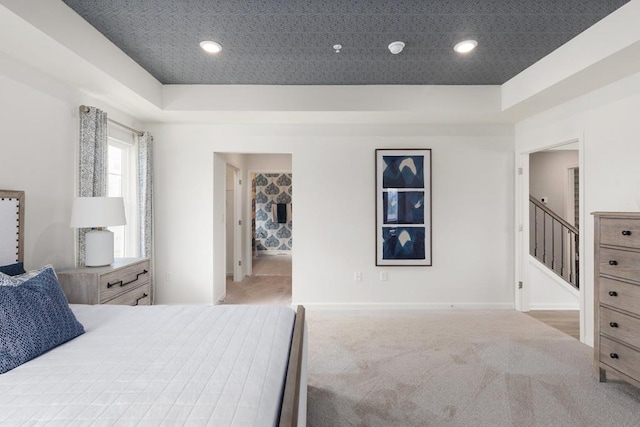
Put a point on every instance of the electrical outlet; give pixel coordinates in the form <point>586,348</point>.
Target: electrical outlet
<point>384,276</point>
<point>357,276</point>
<point>169,276</point>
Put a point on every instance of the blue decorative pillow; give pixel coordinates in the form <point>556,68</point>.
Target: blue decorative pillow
<point>34,317</point>
<point>13,269</point>
<point>19,279</point>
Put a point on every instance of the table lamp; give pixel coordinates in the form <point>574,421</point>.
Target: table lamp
<point>97,213</point>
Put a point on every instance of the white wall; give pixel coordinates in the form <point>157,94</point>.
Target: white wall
<point>606,123</point>
<point>550,292</point>
<point>38,151</point>
<point>270,162</point>
<point>548,178</point>
<point>333,168</point>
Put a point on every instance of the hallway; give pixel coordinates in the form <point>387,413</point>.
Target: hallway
<point>270,283</point>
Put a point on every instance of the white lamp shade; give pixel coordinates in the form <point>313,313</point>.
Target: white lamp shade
<point>90,212</point>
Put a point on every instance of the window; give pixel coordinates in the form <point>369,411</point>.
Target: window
<point>121,182</point>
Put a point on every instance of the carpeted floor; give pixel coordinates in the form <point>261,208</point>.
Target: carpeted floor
<point>455,368</point>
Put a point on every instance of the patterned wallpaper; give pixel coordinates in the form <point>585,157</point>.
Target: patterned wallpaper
<point>272,188</point>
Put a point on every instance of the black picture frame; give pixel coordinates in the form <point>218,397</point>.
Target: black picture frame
<point>403,207</point>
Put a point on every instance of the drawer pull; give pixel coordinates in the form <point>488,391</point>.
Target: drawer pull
<point>613,294</point>
<point>142,297</point>
<point>626,233</point>
<point>613,262</point>
<point>613,324</point>
<point>119,282</point>
<point>613,355</point>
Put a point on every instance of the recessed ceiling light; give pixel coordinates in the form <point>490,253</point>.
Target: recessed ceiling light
<point>210,47</point>
<point>337,47</point>
<point>465,46</point>
<point>396,47</point>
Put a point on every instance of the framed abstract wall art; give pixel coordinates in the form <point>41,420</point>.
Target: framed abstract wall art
<point>403,207</point>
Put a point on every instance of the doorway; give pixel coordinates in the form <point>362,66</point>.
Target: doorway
<point>559,190</point>
<point>269,281</point>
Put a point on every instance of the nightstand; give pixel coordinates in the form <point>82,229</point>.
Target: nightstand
<point>125,282</point>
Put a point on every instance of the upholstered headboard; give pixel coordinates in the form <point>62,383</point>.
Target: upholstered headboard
<point>11,226</point>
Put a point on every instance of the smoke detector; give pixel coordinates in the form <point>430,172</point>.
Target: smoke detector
<point>396,47</point>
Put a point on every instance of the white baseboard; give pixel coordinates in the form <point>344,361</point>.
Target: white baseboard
<point>406,306</point>
<point>553,307</point>
<point>221,299</point>
<point>272,253</point>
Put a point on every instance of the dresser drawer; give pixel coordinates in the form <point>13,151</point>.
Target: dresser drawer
<point>117,282</point>
<point>620,326</point>
<point>624,296</point>
<point>612,229</point>
<point>620,357</point>
<point>618,263</point>
<point>137,296</point>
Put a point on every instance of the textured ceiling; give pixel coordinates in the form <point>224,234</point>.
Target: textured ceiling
<point>289,42</point>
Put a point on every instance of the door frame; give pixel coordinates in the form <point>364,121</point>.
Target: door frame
<point>569,196</point>
<point>236,219</point>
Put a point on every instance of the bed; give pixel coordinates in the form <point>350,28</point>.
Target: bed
<point>233,365</point>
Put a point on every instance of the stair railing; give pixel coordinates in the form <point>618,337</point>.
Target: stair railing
<point>554,242</point>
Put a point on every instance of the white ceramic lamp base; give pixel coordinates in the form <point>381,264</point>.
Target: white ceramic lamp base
<point>98,248</point>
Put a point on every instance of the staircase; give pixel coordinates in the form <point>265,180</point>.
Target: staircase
<point>553,242</point>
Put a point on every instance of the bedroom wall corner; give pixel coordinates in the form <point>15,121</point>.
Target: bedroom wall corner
<point>38,136</point>
<point>39,123</point>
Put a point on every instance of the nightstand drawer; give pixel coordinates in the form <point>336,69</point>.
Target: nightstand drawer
<point>620,357</point>
<point>617,263</point>
<point>110,284</point>
<point>624,296</point>
<point>117,282</point>
<point>620,232</point>
<point>137,296</point>
<point>620,326</point>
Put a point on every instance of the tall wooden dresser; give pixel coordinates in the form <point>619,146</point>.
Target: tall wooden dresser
<point>617,295</point>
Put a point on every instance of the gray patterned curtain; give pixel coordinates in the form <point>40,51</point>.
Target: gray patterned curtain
<point>93,160</point>
<point>145,197</point>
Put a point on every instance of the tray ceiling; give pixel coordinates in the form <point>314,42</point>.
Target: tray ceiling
<point>282,42</point>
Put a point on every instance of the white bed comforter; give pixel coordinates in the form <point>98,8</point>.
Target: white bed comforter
<point>159,365</point>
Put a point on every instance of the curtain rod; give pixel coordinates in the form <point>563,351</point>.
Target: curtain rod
<point>139,132</point>
<point>85,109</point>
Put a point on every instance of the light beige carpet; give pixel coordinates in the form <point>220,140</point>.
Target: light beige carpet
<point>455,368</point>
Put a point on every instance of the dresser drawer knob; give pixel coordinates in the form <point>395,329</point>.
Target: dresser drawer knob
<point>626,233</point>
<point>613,262</point>
<point>613,324</point>
<point>613,294</point>
<point>613,355</point>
